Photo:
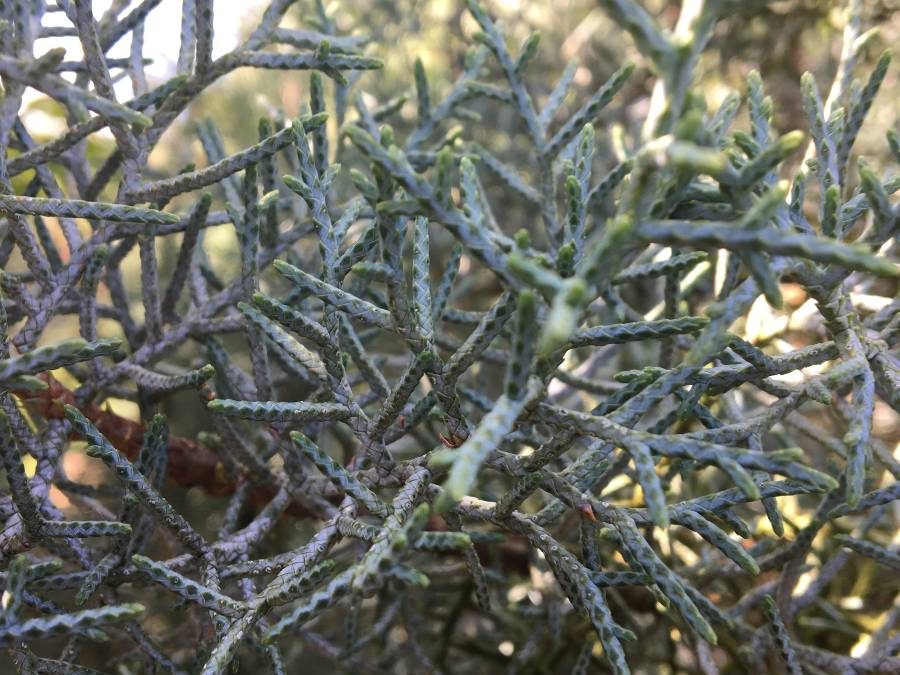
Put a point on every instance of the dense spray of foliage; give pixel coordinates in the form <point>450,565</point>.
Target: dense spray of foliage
<point>591,460</point>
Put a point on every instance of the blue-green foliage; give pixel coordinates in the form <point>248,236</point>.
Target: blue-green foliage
<point>603,426</point>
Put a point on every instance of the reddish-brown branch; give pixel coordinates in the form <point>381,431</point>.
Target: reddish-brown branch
<point>190,463</point>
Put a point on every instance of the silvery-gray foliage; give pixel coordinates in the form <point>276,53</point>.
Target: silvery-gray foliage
<point>490,455</point>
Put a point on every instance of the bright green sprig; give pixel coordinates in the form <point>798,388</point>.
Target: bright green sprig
<point>486,438</point>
